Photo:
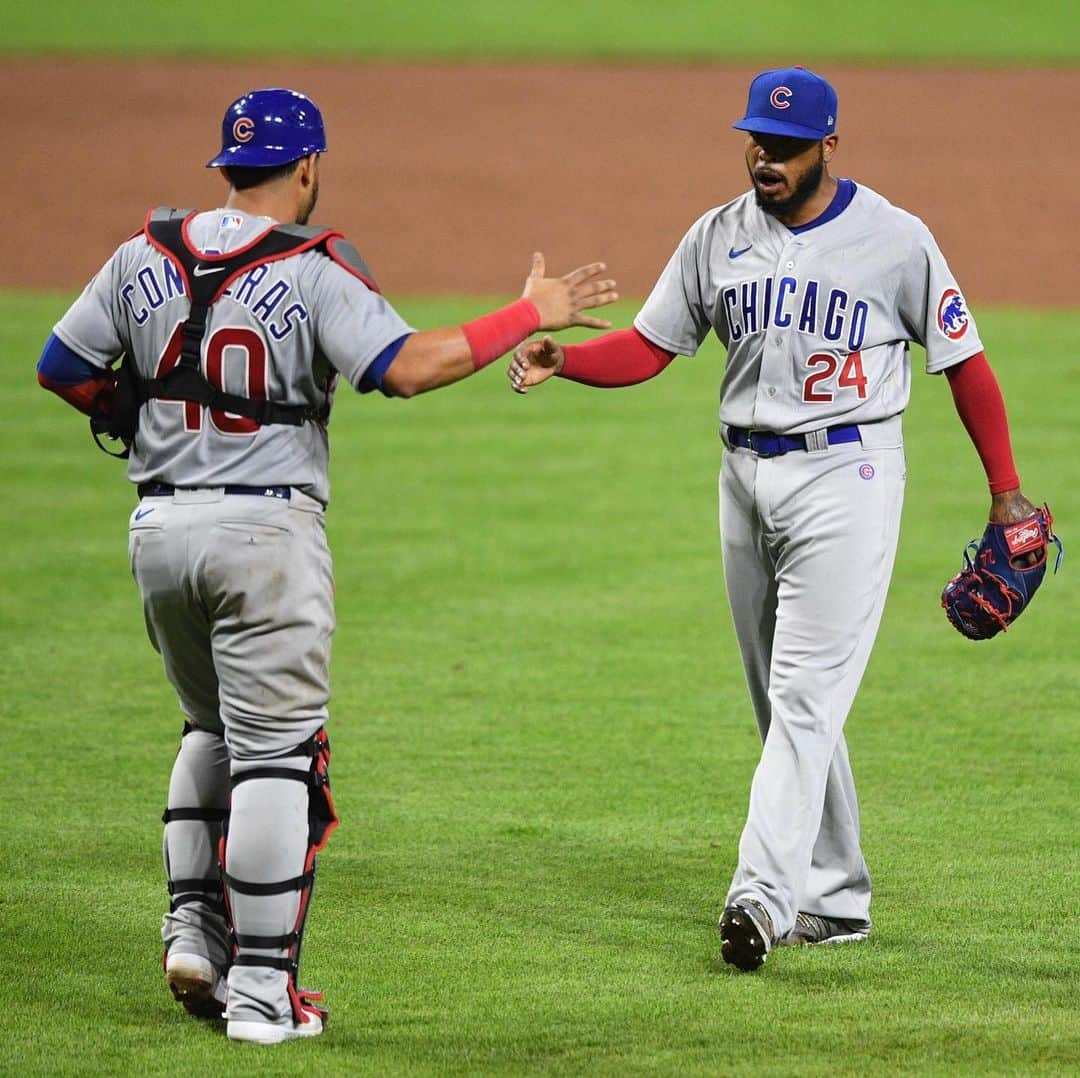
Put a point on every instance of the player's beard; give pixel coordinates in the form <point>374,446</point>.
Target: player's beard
<point>803,192</point>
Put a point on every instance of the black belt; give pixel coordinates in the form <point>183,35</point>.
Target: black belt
<point>166,490</point>
<point>767,444</point>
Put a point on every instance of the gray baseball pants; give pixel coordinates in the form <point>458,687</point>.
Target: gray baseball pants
<point>808,542</point>
<point>237,592</point>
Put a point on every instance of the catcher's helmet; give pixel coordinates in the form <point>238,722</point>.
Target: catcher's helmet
<point>268,128</point>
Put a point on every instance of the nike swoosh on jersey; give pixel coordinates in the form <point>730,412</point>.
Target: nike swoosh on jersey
<point>732,253</point>
<point>204,271</point>
<point>140,513</point>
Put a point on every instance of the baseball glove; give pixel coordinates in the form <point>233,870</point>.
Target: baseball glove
<point>996,583</point>
<point>117,410</point>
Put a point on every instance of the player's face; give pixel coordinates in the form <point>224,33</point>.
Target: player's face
<point>785,171</point>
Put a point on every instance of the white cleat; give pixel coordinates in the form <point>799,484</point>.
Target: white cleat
<point>195,983</point>
<point>270,1033</point>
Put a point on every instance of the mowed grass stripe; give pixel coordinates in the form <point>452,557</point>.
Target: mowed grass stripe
<point>967,31</point>
<point>542,750</point>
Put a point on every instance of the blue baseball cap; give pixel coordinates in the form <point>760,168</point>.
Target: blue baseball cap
<point>270,127</point>
<point>791,101</point>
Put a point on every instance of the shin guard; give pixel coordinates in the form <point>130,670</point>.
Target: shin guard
<point>198,807</point>
<point>282,816</point>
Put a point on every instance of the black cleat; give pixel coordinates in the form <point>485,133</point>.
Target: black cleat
<point>813,928</point>
<point>746,935</point>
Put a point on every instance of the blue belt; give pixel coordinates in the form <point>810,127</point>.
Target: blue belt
<point>166,490</point>
<point>767,444</point>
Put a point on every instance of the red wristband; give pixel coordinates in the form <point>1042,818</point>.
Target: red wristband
<point>495,334</point>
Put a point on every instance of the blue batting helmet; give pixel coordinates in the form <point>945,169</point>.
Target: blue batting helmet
<point>267,128</point>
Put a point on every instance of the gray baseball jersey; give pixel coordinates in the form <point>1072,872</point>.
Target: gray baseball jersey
<point>283,331</point>
<point>815,322</point>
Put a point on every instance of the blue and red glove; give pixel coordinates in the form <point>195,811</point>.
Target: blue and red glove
<point>997,581</point>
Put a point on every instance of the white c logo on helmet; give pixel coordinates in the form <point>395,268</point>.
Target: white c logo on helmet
<point>779,98</point>
<point>243,130</point>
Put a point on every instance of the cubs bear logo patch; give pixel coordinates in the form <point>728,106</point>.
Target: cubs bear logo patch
<point>952,316</point>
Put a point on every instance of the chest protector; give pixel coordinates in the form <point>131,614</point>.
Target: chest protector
<point>206,277</point>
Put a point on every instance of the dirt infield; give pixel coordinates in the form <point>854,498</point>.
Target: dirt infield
<point>447,177</point>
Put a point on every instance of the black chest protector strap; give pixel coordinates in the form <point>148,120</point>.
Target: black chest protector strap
<point>206,278</point>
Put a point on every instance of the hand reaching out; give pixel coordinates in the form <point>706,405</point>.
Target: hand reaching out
<point>534,362</point>
<point>560,300</point>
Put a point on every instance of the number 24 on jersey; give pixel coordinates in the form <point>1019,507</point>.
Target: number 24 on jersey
<point>818,385</point>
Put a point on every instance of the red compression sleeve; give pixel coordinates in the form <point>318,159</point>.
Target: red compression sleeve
<point>623,358</point>
<point>495,334</point>
<point>979,404</point>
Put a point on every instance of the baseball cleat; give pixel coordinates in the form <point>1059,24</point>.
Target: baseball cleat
<point>746,935</point>
<point>195,983</point>
<point>271,1033</point>
<point>812,928</point>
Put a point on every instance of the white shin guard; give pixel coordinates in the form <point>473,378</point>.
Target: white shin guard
<point>282,815</point>
<point>194,820</point>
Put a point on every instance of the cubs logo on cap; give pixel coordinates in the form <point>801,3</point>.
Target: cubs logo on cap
<point>780,98</point>
<point>243,130</point>
<point>791,101</point>
<point>952,316</point>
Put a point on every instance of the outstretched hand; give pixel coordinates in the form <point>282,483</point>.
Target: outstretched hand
<point>560,300</point>
<point>534,362</point>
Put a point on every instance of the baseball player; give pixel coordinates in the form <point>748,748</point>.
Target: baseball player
<point>236,324</point>
<point>815,285</point>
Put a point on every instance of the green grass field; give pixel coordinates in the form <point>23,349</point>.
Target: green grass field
<point>969,31</point>
<point>542,743</point>
<point>543,751</point>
